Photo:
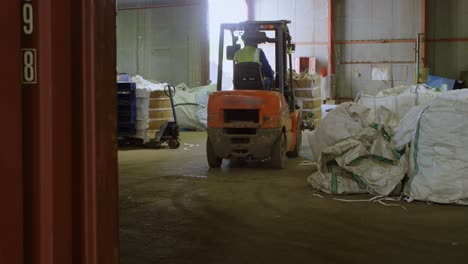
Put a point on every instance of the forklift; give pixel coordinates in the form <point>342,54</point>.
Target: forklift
<point>254,121</point>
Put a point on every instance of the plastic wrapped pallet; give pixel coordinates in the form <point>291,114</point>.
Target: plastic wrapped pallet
<point>142,116</point>
<point>150,101</point>
<point>142,134</point>
<point>308,97</point>
<point>149,85</point>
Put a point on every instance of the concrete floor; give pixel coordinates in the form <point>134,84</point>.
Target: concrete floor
<point>173,209</point>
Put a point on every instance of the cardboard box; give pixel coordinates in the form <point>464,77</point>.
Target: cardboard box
<point>314,92</point>
<point>159,114</point>
<point>158,94</point>
<point>160,103</point>
<point>311,103</point>
<point>305,80</point>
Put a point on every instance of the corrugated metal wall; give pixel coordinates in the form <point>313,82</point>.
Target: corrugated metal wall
<point>394,24</point>
<point>368,32</point>
<point>388,27</point>
<point>354,20</point>
<point>309,26</point>
<point>448,29</point>
<point>164,43</point>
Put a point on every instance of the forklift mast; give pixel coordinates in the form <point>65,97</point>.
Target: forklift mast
<point>283,50</point>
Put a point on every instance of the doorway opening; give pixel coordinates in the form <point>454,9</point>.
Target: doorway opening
<point>233,11</point>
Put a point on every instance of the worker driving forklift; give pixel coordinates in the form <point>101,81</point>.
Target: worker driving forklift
<point>256,120</point>
<point>251,53</point>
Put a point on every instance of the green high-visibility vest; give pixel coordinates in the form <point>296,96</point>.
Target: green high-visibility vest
<point>248,54</point>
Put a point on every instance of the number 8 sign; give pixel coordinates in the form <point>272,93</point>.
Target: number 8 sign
<point>29,66</point>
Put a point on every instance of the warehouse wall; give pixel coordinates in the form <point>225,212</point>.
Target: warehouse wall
<point>127,39</point>
<point>163,44</point>
<point>448,20</point>
<point>375,20</point>
<point>354,20</point>
<point>309,25</point>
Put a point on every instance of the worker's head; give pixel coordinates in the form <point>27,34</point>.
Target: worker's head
<point>250,43</point>
<point>252,37</point>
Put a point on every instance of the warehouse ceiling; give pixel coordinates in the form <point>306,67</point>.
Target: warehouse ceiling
<point>142,3</point>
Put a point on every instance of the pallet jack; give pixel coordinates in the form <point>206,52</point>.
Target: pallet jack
<point>169,132</point>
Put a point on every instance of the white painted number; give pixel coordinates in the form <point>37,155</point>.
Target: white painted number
<point>28,19</point>
<point>29,54</point>
<point>29,66</point>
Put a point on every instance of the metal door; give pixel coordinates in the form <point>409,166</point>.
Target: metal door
<point>11,194</point>
<point>59,159</point>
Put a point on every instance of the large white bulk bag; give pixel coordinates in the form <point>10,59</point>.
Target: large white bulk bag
<point>345,121</point>
<point>191,106</point>
<point>439,151</point>
<point>399,99</point>
<point>356,155</point>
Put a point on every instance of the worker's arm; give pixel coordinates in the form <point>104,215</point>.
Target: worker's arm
<point>266,66</point>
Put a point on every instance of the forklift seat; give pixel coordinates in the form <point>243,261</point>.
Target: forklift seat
<point>248,76</point>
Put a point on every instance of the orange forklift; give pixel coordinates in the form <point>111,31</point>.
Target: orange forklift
<point>254,121</point>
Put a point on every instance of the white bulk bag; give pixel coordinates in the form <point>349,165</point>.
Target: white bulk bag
<point>439,151</point>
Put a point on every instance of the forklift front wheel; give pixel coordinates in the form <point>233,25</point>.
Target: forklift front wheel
<point>213,161</point>
<point>173,143</point>
<point>278,155</point>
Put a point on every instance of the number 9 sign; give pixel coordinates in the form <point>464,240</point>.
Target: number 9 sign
<point>28,19</point>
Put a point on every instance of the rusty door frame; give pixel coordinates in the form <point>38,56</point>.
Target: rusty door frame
<point>59,178</point>
<point>99,122</point>
<point>11,180</point>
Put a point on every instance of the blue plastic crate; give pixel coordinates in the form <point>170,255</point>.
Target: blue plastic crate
<point>126,111</point>
<point>126,108</point>
<point>126,87</point>
<point>126,131</point>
